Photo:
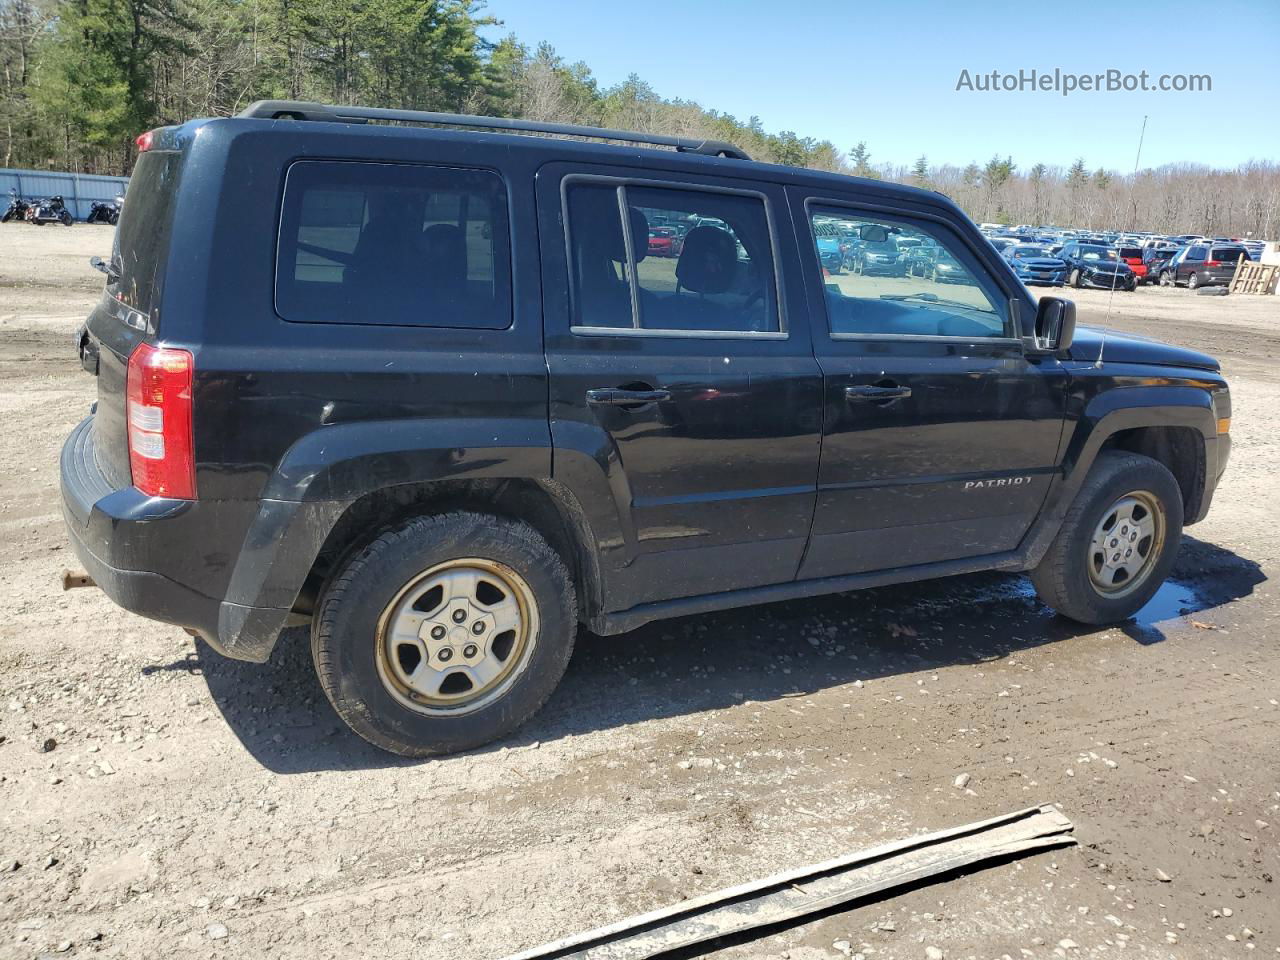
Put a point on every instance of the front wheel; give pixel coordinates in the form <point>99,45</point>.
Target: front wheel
<point>66,218</point>
<point>1117,543</point>
<point>445,633</point>
<point>1193,281</point>
<point>1074,279</point>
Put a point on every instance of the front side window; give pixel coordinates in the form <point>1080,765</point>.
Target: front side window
<point>393,244</point>
<point>686,261</point>
<point>904,279</point>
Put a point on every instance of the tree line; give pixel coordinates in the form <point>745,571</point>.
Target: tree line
<point>81,78</point>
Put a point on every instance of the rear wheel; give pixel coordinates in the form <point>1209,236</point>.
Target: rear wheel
<point>445,633</point>
<point>1117,543</point>
<point>1166,278</point>
<point>1193,280</point>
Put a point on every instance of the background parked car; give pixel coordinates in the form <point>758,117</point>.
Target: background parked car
<point>1097,265</point>
<point>1034,265</point>
<point>880,256</point>
<point>1157,260</point>
<point>1202,264</point>
<point>662,242</point>
<point>829,251</point>
<point>1132,255</point>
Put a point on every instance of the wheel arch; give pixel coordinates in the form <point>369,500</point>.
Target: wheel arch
<point>1180,449</point>
<point>1158,421</point>
<point>547,506</point>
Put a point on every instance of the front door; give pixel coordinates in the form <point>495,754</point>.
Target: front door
<point>940,436</point>
<point>676,377</point>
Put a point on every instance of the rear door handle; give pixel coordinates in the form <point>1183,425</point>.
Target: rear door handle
<point>618,397</point>
<point>867,393</point>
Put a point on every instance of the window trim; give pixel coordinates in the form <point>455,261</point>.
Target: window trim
<point>504,205</point>
<point>1012,298</point>
<point>621,183</point>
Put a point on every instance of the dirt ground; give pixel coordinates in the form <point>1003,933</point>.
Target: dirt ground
<point>157,800</point>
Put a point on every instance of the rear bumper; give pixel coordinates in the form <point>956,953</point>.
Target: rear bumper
<point>204,566</point>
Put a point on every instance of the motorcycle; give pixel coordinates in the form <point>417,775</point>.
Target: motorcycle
<point>104,211</point>
<point>17,209</point>
<point>53,210</point>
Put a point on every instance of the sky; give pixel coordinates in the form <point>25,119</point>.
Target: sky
<point>887,72</point>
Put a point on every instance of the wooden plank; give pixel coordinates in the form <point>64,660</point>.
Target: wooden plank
<point>807,890</point>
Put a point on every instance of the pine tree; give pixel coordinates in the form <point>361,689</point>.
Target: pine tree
<point>920,172</point>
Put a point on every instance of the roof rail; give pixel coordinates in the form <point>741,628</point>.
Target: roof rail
<point>303,110</point>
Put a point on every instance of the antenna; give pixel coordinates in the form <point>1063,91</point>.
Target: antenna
<point>1106,322</point>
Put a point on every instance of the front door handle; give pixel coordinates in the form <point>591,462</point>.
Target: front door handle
<point>869,393</point>
<point>619,397</point>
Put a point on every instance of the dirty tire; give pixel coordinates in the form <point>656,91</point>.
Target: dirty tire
<point>1062,578</point>
<point>345,627</point>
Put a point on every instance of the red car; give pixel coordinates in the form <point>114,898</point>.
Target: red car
<point>1133,257</point>
<point>662,242</point>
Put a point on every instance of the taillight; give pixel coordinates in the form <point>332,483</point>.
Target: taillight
<point>144,141</point>
<point>158,403</point>
<point>1213,263</point>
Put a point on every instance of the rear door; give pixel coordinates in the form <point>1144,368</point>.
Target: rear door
<point>679,380</point>
<point>940,436</point>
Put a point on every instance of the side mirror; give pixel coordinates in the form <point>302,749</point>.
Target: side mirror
<point>1055,326</point>
<point>873,233</point>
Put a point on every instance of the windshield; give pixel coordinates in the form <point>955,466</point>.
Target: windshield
<point>1030,251</point>
<point>1097,253</point>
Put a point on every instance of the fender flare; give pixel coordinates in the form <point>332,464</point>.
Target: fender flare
<point>326,471</point>
<point>1105,415</point>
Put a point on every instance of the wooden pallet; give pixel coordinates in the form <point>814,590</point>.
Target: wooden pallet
<point>1253,277</point>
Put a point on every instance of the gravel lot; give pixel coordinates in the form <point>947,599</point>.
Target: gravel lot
<point>159,801</point>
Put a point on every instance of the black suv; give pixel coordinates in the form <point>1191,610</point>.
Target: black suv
<point>423,390</point>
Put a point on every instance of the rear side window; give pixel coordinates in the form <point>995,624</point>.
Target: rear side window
<point>142,238</point>
<point>1229,254</point>
<point>393,244</point>
<point>713,274</point>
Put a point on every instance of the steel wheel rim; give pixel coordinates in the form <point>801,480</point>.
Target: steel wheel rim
<point>1126,545</point>
<point>456,637</point>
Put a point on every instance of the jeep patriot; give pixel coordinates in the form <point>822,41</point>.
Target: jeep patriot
<point>423,387</point>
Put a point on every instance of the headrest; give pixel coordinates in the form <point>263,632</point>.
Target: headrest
<point>595,220</point>
<point>708,261</point>
<point>445,250</point>
<point>639,237</point>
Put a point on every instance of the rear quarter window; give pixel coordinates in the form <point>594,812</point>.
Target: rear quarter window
<point>1228,254</point>
<point>394,245</point>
